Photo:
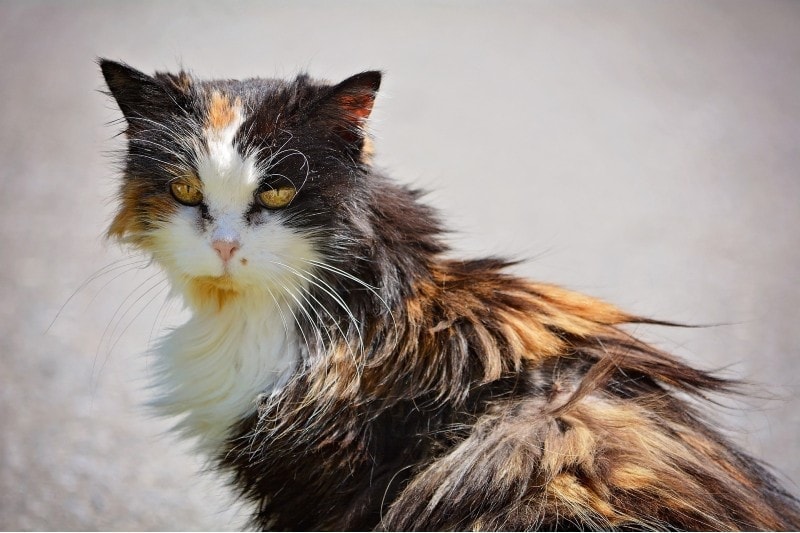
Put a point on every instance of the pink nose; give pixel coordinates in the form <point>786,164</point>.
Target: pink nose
<point>225,249</point>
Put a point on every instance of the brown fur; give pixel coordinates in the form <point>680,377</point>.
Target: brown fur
<point>580,456</point>
<point>588,430</point>
<point>138,210</point>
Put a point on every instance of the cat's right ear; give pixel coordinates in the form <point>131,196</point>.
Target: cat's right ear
<point>140,97</point>
<point>345,107</point>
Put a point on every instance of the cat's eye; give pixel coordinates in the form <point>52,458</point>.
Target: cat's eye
<point>277,198</point>
<point>186,192</point>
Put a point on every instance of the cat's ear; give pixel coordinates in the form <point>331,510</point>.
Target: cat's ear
<point>347,105</point>
<point>142,97</point>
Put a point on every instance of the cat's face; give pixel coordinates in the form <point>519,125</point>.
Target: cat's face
<point>238,187</point>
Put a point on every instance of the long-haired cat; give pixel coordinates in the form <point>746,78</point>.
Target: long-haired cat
<point>346,374</point>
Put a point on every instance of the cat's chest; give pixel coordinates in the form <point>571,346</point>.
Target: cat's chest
<point>212,369</point>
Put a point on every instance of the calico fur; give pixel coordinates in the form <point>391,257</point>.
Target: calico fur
<point>347,374</point>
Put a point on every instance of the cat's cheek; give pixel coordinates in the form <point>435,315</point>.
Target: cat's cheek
<point>273,260</point>
<point>281,248</point>
<point>182,250</point>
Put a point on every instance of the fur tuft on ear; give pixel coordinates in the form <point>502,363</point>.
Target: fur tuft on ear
<point>141,96</point>
<point>356,95</point>
<point>349,105</point>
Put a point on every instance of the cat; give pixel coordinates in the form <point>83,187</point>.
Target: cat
<point>346,374</point>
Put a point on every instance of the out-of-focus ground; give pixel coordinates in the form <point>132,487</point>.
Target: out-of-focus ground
<point>646,153</point>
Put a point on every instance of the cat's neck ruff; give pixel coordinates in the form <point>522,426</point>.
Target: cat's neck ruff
<point>213,367</point>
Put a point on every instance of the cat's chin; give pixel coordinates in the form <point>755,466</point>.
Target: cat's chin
<point>213,292</point>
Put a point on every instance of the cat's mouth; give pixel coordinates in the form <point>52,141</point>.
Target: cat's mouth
<point>213,291</point>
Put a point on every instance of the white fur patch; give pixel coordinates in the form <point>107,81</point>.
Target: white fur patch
<point>229,180</point>
<point>212,368</point>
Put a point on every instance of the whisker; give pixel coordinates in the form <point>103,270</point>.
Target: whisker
<point>116,312</point>
<point>130,323</point>
<point>165,163</point>
<point>158,321</point>
<point>296,320</point>
<point>325,287</point>
<point>373,290</point>
<point>301,308</point>
<point>343,273</point>
<point>97,274</point>
<point>319,318</point>
<point>181,157</point>
<point>109,282</point>
<point>280,311</point>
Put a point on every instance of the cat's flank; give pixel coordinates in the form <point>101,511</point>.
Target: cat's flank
<point>346,374</point>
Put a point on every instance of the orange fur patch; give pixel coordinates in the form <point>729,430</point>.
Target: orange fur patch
<point>527,316</point>
<point>136,207</point>
<point>509,322</point>
<point>208,291</point>
<point>367,151</point>
<point>126,220</point>
<point>221,111</point>
<point>357,106</point>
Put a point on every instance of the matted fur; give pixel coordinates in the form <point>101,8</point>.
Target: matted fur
<point>404,390</point>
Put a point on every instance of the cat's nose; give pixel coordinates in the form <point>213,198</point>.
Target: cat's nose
<point>225,248</point>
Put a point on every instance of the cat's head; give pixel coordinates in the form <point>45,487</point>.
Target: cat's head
<point>238,187</point>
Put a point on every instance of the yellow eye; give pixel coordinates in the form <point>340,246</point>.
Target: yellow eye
<point>277,198</point>
<point>186,192</point>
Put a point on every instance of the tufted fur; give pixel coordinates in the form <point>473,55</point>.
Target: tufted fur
<point>347,375</point>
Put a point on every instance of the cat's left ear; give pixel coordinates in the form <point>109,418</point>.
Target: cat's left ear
<point>347,105</point>
<point>144,99</point>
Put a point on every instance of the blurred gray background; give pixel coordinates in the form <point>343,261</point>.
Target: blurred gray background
<point>643,152</point>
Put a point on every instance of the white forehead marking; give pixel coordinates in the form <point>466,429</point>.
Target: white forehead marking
<point>229,180</point>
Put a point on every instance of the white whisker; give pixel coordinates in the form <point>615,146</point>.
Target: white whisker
<point>145,306</point>
<point>311,321</point>
<point>333,319</point>
<point>116,312</point>
<point>373,290</point>
<point>302,309</point>
<point>325,287</point>
<point>111,267</point>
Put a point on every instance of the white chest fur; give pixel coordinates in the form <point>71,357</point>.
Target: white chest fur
<point>212,368</point>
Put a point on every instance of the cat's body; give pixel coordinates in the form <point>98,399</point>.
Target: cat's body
<point>347,375</point>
